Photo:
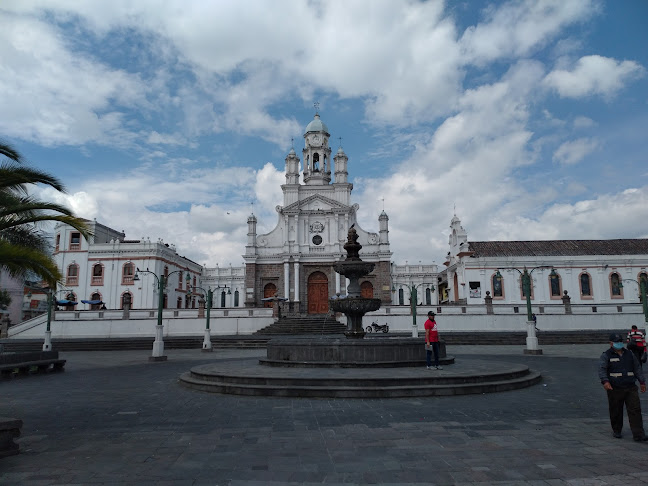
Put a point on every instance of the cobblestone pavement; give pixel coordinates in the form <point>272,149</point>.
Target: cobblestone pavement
<point>115,418</point>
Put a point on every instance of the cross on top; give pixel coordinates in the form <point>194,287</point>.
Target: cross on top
<point>340,138</point>
<point>316,105</point>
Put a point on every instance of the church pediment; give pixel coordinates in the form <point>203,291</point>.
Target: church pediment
<point>316,202</point>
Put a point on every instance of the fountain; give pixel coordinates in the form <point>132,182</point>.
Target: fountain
<point>354,306</point>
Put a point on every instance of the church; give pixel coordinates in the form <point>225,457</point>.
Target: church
<point>294,262</point>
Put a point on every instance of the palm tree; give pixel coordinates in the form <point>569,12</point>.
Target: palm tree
<point>24,245</point>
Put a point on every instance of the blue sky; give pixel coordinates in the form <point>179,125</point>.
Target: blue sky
<point>172,119</point>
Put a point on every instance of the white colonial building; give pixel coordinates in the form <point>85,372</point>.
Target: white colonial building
<point>101,270</point>
<point>590,271</point>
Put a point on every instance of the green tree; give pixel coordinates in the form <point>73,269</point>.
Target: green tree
<point>5,299</point>
<point>24,245</point>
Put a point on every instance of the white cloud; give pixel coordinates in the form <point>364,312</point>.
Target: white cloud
<point>514,29</point>
<point>574,151</point>
<point>593,75</point>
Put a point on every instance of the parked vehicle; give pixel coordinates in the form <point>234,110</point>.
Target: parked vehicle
<point>375,327</point>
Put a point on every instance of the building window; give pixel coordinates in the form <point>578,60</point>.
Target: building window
<point>236,298</point>
<point>179,280</point>
<point>428,296</point>
<point>75,241</point>
<point>97,274</point>
<point>585,285</point>
<point>128,272</point>
<point>58,242</point>
<point>166,272</point>
<point>222,299</point>
<point>555,285</point>
<point>96,296</point>
<point>72,275</point>
<point>474,289</point>
<point>642,276</point>
<point>401,297</point>
<point>616,291</point>
<point>71,296</point>
<point>194,281</point>
<point>498,287</point>
<point>179,303</point>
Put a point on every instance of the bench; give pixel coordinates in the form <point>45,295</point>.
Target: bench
<point>23,363</point>
<point>9,430</point>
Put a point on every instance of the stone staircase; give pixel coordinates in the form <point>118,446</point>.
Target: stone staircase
<point>320,324</point>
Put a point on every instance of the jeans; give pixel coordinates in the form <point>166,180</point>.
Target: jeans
<point>428,354</point>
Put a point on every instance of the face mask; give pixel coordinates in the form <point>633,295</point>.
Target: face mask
<point>617,345</point>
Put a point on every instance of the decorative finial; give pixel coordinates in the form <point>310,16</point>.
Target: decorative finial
<point>292,142</point>
<point>340,138</point>
<point>316,105</point>
<point>383,200</point>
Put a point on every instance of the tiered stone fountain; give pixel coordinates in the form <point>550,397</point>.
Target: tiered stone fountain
<point>353,305</point>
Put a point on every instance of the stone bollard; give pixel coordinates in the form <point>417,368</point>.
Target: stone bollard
<point>5,322</point>
<point>567,302</point>
<point>9,430</point>
<point>488,300</point>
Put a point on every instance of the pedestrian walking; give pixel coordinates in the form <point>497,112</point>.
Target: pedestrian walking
<point>618,370</point>
<point>432,342</point>
<point>637,344</point>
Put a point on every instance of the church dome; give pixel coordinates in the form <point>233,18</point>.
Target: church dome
<point>341,151</point>
<point>316,125</point>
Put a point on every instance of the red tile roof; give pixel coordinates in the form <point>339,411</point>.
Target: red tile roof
<point>559,248</point>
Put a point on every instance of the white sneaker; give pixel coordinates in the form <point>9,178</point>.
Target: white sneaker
<point>439,367</point>
<point>429,367</point>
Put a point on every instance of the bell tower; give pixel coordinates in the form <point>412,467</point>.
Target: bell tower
<point>317,153</point>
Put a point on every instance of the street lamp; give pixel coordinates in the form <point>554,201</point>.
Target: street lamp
<point>413,300</point>
<point>525,275</point>
<point>643,285</point>
<point>161,280</point>
<point>207,345</point>
<point>47,343</point>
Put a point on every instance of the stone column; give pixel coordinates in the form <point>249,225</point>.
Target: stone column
<point>286,280</point>
<point>488,300</point>
<point>567,303</point>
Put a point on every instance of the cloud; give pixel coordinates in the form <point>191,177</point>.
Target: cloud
<point>516,28</point>
<point>593,75</point>
<point>574,151</point>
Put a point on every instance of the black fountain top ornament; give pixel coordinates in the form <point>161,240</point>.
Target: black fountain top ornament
<point>353,305</point>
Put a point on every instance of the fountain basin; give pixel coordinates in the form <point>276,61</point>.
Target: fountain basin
<point>377,352</point>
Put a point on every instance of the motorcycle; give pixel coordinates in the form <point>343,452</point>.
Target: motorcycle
<point>375,327</point>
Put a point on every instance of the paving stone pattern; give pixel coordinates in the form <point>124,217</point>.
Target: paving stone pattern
<point>115,418</point>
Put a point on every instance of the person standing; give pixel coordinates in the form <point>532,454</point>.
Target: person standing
<point>637,343</point>
<point>432,342</point>
<point>618,370</point>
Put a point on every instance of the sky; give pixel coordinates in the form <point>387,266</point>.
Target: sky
<point>172,119</point>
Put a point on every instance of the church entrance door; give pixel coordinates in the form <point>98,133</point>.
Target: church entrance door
<point>318,293</point>
<point>268,291</point>
<point>366,290</point>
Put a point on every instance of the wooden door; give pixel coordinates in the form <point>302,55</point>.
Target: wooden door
<point>269,291</point>
<point>366,290</point>
<point>318,293</point>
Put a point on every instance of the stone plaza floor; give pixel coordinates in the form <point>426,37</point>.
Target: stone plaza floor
<point>115,418</point>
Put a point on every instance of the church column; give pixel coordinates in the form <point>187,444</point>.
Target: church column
<point>287,280</point>
<point>337,283</point>
<point>296,282</point>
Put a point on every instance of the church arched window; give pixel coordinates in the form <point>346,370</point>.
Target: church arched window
<point>316,162</point>
<point>401,297</point>
<point>428,296</point>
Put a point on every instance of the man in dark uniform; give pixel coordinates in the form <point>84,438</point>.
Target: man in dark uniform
<point>618,370</point>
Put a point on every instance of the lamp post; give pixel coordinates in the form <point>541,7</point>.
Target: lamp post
<point>525,275</point>
<point>413,300</point>
<point>51,294</point>
<point>207,345</point>
<point>643,286</point>
<point>158,345</point>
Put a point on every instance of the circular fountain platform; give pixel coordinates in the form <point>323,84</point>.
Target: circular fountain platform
<point>348,353</point>
<point>468,376</point>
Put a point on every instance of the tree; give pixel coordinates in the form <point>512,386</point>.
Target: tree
<point>24,245</point>
<point>5,299</point>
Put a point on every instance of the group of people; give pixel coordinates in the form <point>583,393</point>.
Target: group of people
<point>619,369</point>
